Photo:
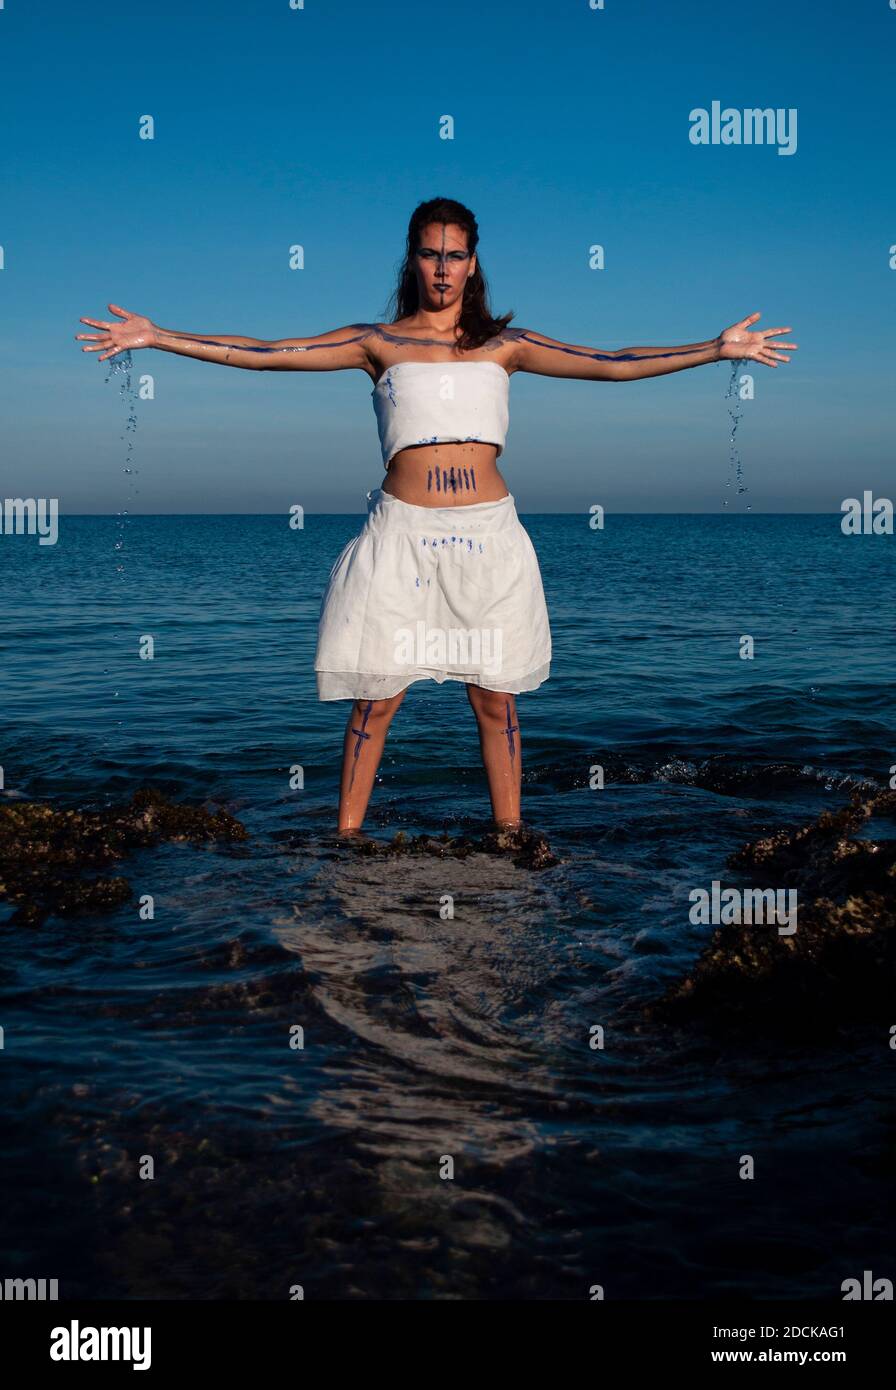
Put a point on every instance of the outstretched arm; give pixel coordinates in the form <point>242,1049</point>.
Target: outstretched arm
<point>327,352</point>
<point>548,357</point>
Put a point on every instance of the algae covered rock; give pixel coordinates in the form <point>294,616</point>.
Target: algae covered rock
<point>528,848</point>
<point>838,966</point>
<point>51,861</point>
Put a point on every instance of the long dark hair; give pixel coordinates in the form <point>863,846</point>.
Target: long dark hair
<point>476,322</point>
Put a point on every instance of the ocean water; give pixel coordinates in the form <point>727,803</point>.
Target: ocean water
<point>427,1038</point>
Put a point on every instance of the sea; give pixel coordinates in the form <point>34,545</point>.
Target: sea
<point>303,1070</point>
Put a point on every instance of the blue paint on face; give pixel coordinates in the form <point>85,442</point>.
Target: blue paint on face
<point>429,481</point>
<point>438,485</point>
<point>472,477</point>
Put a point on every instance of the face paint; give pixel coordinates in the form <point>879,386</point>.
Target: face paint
<point>429,481</point>
<point>444,279</point>
<point>442,271</point>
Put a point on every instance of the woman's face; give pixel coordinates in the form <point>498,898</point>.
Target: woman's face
<point>443,265</point>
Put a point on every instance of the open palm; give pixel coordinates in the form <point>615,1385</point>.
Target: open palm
<point>738,341</point>
<point>134,332</point>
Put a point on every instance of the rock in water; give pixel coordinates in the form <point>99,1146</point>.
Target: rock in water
<point>837,967</point>
<point>46,854</point>
<point>529,847</point>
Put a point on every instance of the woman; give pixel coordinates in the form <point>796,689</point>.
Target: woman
<point>442,583</point>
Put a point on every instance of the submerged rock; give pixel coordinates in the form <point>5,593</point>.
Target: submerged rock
<point>838,966</point>
<point>45,854</point>
<point>529,847</point>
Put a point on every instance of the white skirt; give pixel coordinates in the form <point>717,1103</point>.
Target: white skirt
<point>433,593</point>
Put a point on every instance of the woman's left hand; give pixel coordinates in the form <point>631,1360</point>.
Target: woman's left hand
<point>737,341</point>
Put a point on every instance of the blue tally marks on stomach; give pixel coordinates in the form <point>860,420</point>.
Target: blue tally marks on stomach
<point>451,479</point>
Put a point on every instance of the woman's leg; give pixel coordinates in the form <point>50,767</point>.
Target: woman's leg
<point>362,749</point>
<point>499,739</point>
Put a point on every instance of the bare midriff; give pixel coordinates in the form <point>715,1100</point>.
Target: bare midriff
<point>445,475</point>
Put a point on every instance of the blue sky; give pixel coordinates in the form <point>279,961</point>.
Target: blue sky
<point>320,126</point>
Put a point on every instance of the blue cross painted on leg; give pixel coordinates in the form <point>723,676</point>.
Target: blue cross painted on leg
<point>510,731</point>
<point>361,736</point>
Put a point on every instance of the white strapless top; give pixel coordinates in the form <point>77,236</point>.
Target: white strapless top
<point>441,403</point>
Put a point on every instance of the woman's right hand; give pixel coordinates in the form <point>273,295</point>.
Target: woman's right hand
<point>134,332</point>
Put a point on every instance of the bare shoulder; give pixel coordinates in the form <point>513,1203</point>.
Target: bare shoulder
<point>357,343</point>
<point>504,348</point>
